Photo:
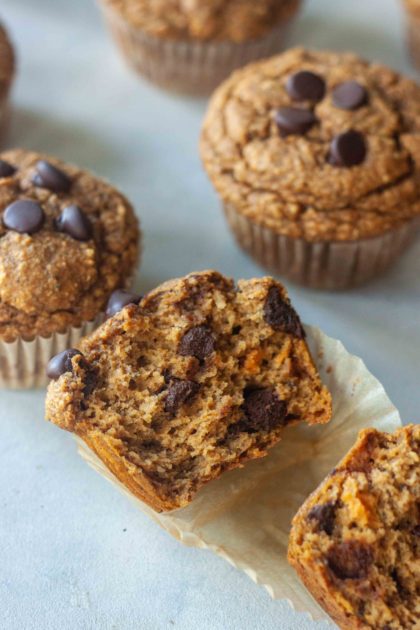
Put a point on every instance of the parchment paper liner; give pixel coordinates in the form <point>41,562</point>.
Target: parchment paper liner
<point>193,67</point>
<point>320,265</point>
<point>23,363</point>
<point>245,515</point>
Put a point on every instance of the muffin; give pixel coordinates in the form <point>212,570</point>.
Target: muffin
<point>413,29</point>
<point>191,46</point>
<point>67,241</point>
<point>197,378</point>
<point>316,157</point>
<point>7,68</point>
<point>355,541</point>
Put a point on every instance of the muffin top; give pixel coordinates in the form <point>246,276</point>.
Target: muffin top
<point>232,20</point>
<point>316,145</point>
<point>67,240</point>
<point>413,5</point>
<point>6,62</point>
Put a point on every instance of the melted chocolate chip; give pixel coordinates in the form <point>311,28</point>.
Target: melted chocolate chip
<point>74,222</point>
<point>49,176</point>
<point>292,120</point>
<point>179,392</point>
<point>306,86</point>
<point>90,379</point>
<point>6,169</point>
<point>24,216</point>
<point>61,363</point>
<point>197,342</point>
<point>348,149</point>
<point>324,515</point>
<point>263,409</point>
<point>280,315</point>
<point>349,95</point>
<point>416,531</point>
<point>350,560</point>
<point>119,299</point>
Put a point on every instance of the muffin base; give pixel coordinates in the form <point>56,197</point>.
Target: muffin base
<point>23,363</point>
<point>190,67</point>
<point>413,38</point>
<point>329,265</point>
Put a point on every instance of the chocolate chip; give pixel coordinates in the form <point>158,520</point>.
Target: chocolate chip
<point>416,531</point>
<point>49,176</point>
<point>24,216</point>
<point>197,342</point>
<point>349,95</point>
<point>75,223</point>
<point>6,169</point>
<point>280,315</point>
<point>306,86</point>
<point>61,363</point>
<point>119,299</point>
<point>292,120</point>
<point>179,392</point>
<point>324,515</point>
<point>263,409</point>
<point>350,560</point>
<point>348,149</point>
<point>90,379</point>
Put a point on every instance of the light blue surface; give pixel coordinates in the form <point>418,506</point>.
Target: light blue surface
<point>74,553</point>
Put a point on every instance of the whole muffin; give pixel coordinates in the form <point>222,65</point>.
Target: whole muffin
<point>67,241</point>
<point>412,8</point>
<point>197,378</point>
<point>316,156</point>
<point>7,68</point>
<point>192,45</point>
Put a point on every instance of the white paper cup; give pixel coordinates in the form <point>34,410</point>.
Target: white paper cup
<point>193,67</point>
<point>330,265</point>
<point>245,515</point>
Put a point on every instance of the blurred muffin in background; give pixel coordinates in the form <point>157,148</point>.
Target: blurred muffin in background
<point>413,29</point>
<point>192,45</point>
<point>7,70</point>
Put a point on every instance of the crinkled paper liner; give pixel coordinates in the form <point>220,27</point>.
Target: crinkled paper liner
<point>23,363</point>
<point>413,34</point>
<point>245,515</point>
<point>193,67</point>
<point>320,265</point>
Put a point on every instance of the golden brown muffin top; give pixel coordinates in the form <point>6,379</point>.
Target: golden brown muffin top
<point>7,62</point>
<point>317,145</point>
<point>231,20</point>
<point>413,6</point>
<point>67,240</point>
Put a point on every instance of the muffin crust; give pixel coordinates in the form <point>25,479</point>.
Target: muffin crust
<point>197,379</point>
<point>230,20</point>
<point>51,279</point>
<point>286,181</point>
<point>355,541</point>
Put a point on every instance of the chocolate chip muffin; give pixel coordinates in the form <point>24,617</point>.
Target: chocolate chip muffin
<point>197,378</point>
<point>192,45</point>
<point>412,8</point>
<point>67,241</point>
<point>7,69</point>
<point>316,156</point>
<point>355,541</point>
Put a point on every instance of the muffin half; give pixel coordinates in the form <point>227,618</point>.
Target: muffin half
<point>196,379</point>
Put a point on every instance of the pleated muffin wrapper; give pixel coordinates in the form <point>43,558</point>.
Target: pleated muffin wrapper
<point>23,362</point>
<point>413,37</point>
<point>192,67</point>
<point>329,265</point>
<point>245,515</point>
